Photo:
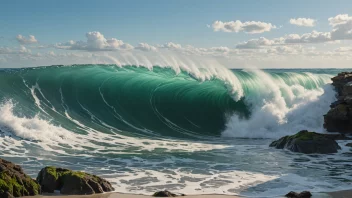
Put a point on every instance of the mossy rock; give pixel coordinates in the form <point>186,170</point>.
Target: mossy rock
<point>307,142</point>
<point>14,182</point>
<point>71,182</point>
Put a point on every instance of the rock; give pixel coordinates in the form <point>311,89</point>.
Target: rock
<point>339,117</point>
<point>347,89</point>
<point>71,182</point>
<point>14,182</point>
<point>304,194</point>
<point>340,80</point>
<point>349,144</point>
<point>307,142</point>
<point>336,103</point>
<point>348,100</point>
<point>165,193</point>
<point>338,136</point>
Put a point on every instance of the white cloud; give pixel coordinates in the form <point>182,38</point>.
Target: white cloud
<point>313,37</point>
<point>23,40</point>
<point>21,50</point>
<point>220,49</point>
<point>171,45</point>
<point>250,27</point>
<point>146,47</point>
<point>342,25</point>
<point>95,42</point>
<point>286,50</point>
<point>339,19</point>
<point>344,49</point>
<point>307,22</point>
<point>256,43</point>
<point>342,30</point>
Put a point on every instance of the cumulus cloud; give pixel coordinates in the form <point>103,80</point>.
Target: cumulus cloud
<point>146,47</point>
<point>95,42</point>
<point>339,19</point>
<point>342,30</point>
<point>23,40</point>
<point>307,22</point>
<point>342,27</point>
<point>250,27</point>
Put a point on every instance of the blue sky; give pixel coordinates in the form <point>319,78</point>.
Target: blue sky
<point>157,22</point>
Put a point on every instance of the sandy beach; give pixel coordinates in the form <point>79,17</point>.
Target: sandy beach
<point>121,195</point>
<point>337,194</point>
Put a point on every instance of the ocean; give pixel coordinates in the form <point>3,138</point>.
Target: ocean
<point>192,131</point>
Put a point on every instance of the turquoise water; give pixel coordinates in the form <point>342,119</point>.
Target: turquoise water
<point>194,132</point>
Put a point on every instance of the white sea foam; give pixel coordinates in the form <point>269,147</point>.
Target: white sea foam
<point>47,135</point>
<point>279,108</point>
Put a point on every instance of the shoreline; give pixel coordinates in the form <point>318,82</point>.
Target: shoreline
<point>335,194</point>
<point>125,195</point>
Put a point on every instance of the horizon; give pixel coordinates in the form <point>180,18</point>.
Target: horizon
<point>229,34</point>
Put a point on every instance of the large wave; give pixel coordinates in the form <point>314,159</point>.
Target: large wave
<point>162,102</point>
<point>185,129</point>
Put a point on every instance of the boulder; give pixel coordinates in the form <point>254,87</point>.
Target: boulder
<point>304,194</point>
<point>307,142</point>
<point>349,144</point>
<point>14,182</point>
<point>165,193</point>
<point>71,182</point>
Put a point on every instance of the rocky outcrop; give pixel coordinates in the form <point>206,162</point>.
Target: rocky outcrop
<point>339,117</point>
<point>307,142</point>
<point>14,182</point>
<point>304,194</point>
<point>71,182</point>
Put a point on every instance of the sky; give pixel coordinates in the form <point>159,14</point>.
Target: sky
<point>235,34</point>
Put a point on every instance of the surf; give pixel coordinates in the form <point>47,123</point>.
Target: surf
<point>163,101</point>
<point>130,122</point>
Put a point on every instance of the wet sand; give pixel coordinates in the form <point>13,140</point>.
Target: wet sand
<point>337,194</point>
<point>121,195</point>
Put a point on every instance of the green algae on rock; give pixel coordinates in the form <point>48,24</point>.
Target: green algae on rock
<point>307,142</point>
<point>14,182</point>
<point>71,182</point>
